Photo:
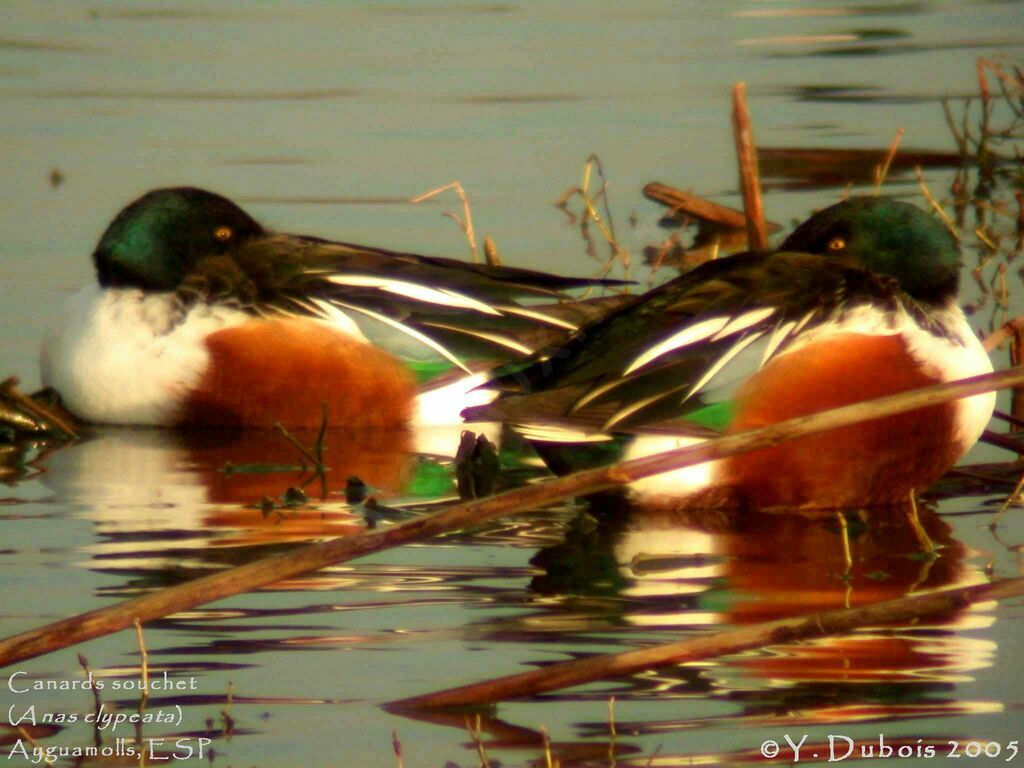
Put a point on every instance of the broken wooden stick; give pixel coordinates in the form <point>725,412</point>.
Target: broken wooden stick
<point>103,621</point>
<point>706,211</point>
<point>1012,329</point>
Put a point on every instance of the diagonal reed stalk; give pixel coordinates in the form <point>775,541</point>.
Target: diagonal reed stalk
<point>103,621</point>
<point>568,674</point>
<point>750,180</point>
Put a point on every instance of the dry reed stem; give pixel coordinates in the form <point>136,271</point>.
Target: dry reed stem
<point>143,657</point>
<point>1013,497</point>
<point>96,701</point>
<point>397,746</point>
<point>244,578</point>
<point>605,225</point>
<point>983,88</point>
<point>883,170</point>
<point>845,538</point>
<point>981,235</point>
<point>935,204</point>
<point>144,677</point>
<point>465,223</point>
<point>27,736</point>
<point>750,182</point>
<point>546,740</point>
<point>580,671</point>
<point>491,255</point>
<point>476,734</point>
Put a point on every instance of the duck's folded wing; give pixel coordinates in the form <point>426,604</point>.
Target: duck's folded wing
<point>673,353</point>
<point>444,306</point>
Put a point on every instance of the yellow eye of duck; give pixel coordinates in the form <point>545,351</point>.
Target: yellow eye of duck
<point>223,233</point>
<point>836,244</point>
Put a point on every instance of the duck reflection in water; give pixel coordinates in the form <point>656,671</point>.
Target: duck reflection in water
<point>185,499</point>
<point>693,570</point>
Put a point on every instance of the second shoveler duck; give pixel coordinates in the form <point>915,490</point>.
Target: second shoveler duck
<point>200,315</point>
<point>859,302</point>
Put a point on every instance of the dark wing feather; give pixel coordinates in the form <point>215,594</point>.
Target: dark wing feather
<point>472,309</point>
<point>648,361</point>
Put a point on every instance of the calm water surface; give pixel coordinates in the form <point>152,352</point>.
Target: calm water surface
<point>324,118</point>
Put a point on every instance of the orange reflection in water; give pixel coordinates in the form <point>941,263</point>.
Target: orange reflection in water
<point>381,460</point>
<point>159,497</point>
<point>757,567</point>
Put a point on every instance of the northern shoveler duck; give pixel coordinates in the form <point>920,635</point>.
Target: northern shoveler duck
<point>859,302</point>
<point>200,315</point>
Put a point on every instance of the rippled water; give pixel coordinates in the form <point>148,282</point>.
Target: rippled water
<point>325,118</point>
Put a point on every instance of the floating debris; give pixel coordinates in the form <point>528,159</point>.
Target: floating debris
<point>38,415</point>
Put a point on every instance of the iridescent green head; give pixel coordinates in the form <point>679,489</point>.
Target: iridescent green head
<point>887,237</point>
<point>154,242</point>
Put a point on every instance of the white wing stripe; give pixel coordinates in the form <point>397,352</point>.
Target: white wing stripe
<point>539,316</point>
<point>803,321</point>
<point>779,335</point>
<point>550,433</point>
<point>407,330</point>
<point>734,350</point>
<point>493,338</point>
<point>595,393</point>
<point>689,335</point>
<point>744,321</point>
<point>629,410</point>
<point>442,296</point>
<point>334,317</point>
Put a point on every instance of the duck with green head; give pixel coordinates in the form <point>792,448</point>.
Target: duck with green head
<point>200,315</point>
<point>860,301</point>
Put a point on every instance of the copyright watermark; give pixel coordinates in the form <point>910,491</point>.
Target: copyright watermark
<point>839,748</point>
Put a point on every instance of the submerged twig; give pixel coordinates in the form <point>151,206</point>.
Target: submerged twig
<point>66,632</point>
<point>314,454</point>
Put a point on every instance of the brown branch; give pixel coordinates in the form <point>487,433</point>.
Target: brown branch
<point>698,208</point>
<point>580,671</point>
<point>103,621</point>
<point>1011,329</point>
<point>750,183</point>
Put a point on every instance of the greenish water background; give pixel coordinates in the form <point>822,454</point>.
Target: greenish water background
<point>324,118</point>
